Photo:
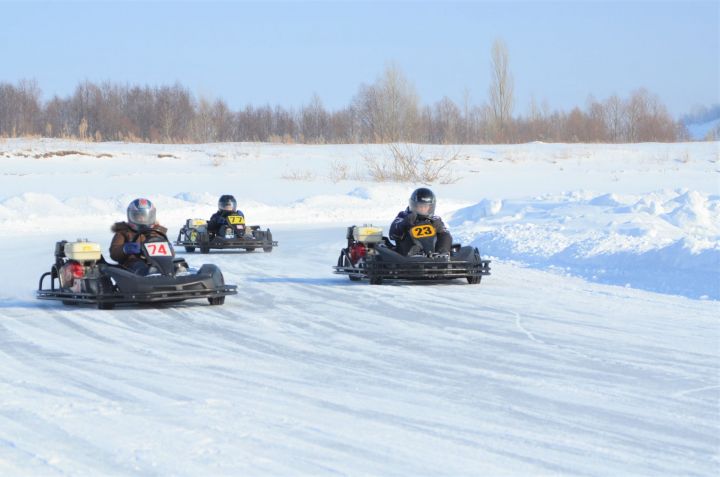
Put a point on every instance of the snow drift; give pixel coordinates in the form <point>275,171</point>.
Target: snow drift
<point>666,241</point>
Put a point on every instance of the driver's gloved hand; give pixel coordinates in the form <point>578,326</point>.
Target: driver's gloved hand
<point>131,248</point>
<point>411,218</point>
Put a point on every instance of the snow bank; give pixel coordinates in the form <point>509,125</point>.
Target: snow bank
<point>666,241</point>
<point>30,211</point>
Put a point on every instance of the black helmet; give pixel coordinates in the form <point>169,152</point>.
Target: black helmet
<point>227,203</point>
<point>141,214</point>
<point>422,195</point>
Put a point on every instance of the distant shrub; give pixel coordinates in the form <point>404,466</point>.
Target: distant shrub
<point>408,163</point>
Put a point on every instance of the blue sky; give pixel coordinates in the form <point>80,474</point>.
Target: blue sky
<point>282,53</point>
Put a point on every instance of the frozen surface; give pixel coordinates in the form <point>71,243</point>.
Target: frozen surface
<point>544,368</point>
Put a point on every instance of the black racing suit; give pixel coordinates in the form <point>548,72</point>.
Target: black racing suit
<point>400,232</point>
<point>219,219</point>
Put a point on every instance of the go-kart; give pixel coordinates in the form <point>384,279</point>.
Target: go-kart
<point>80,275</point>
<point>232,235</point>
<point>370,255</point>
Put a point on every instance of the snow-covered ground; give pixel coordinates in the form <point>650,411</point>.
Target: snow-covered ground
<point>547,367</point>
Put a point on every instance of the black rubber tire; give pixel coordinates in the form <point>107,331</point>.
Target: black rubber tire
<point>268,237</point>
<point>249,249</point>
<point>474,280</point>
<point>354,278</point>
<point>216,300</point>
<point>69,302</point>
<point>376,280</point>
<point>204,240</point>
<point>106,306</point>
<point>189,249</point>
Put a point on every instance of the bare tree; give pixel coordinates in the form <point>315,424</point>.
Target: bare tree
<point>614,117</point>
<point>388,109</point>
<point>314,121</point>
<point>447,122</point>
<point>465,134</point>
<point>501,89</point>
<point>20,108</point>
<point>222,121</point>
<point>202,125</point>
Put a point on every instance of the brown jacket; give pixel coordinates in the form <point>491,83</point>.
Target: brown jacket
<point>124,234</point>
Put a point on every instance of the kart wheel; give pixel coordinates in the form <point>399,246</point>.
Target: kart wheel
<point>69,302</point>
<point>249,249</point>
<point>376,280</point>
<point>204,240</point>
<point>189,249</point>
<point>106,306</point>
<point>473,280</point>
<point>354,278</point>
<point>268,237</point>
<point>217,300</point>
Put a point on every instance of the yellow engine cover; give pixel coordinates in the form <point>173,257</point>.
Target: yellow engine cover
<point>193,223</point>
<point>368,234</point>
<point>83,251</point>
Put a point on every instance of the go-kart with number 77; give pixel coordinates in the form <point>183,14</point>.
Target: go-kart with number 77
<point>233,234</point>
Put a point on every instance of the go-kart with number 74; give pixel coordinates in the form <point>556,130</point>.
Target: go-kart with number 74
<point>80,275</point>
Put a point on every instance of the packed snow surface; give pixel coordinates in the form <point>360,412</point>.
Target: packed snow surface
<point>592,349</point>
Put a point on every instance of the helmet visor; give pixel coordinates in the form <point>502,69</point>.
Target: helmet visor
<point>423,209</point>
<point>142,216</point>
<point>227,204</point>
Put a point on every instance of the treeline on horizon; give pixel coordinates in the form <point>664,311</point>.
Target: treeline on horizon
<point>389,110</point>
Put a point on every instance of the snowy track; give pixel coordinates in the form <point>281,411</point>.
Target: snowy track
<point>307,373</point>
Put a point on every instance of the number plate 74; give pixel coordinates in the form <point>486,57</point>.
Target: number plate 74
<point>158,249</point>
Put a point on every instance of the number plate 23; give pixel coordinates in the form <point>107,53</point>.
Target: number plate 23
<point>423,231</point>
